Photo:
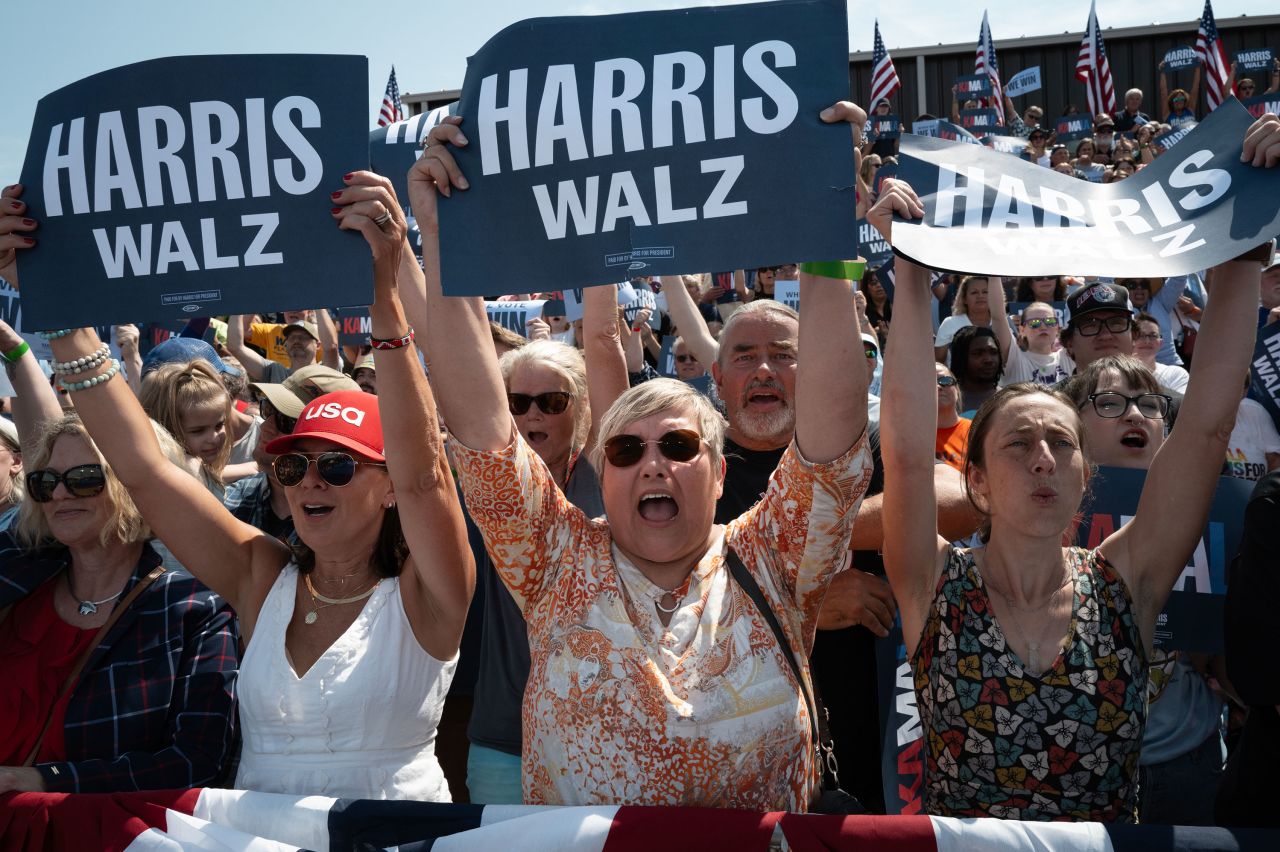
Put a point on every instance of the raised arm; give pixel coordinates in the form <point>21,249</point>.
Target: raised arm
<point>832,377</point>
<point>689,322</point>
<point>1193,97</point>
<point>130,359</point>
<point>602,350</point>
<point>34,400</point>
<point>254,364</point>
<point>440,573</point>
<point>329,349</point>
<point>466,378</point>
<point>913,550</point>
<point>999,316</point>
<point>1163,89</point>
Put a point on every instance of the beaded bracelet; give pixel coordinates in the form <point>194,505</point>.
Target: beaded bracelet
<point>83,364</point>
<point>54,335</point>
<point>96,380</point>
<point>392,343</point>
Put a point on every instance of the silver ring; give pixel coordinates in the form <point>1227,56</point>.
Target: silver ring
<point>383,219</point>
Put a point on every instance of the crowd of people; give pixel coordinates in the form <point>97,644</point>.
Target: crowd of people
<point>640,557</point>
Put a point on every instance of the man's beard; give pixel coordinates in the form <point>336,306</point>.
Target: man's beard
<point>764,425</point>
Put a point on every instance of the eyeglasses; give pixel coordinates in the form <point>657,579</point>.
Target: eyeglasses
<point>680,445</point>
<point>284,423</point>
<point>1112,404</point>
<point>551,402</point>
<point>83,480</point>
<point>684,359</point>
<point>871,352</point>
<point>1152,335</point>
<point>946,381</point>
<point>1093,326</point>
<point>1042,322</point>
<point>336,469</point>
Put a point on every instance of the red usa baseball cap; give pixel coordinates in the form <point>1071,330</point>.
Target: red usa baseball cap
<point>349,419</point>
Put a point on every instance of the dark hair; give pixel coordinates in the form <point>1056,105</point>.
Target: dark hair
<point>389,552</point>
<point>1143,316</point>
<point>963,342</point>
<point>976,453</point>
<point>1024,293</point>
<point>1131,370</point>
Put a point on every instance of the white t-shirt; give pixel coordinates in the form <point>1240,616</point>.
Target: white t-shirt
<point>948,329</point>
<point>1171,377</point>
<point>1048,369</point>
<point>242,450</point>
<point>1254,436</point>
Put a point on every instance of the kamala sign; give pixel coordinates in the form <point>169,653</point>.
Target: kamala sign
<point>196,184</point>
<point>1194,207</point>
<point>594,153</point>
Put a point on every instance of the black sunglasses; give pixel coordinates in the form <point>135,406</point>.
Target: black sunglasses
<point>83,480</point>
<point>336,469</point>
<point>284,423</point>
<point>946,381</point>
<point>551,402</point>
<point>679,445</point>
<point>684,359</point>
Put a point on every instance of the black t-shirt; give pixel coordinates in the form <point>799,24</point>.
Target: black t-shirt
<point>843,661</point>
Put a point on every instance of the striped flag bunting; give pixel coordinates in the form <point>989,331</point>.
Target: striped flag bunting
<point>240,821</point>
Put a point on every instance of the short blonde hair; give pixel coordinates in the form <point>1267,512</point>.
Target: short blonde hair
<point>173,389</point>
<point>656,396</point>
<point>566,362</point>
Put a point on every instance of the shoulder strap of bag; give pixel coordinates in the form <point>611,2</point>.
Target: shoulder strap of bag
<point>822,742</point>
<point>76,670</point>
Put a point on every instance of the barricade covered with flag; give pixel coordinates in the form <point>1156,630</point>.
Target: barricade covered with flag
<point>238,820</point>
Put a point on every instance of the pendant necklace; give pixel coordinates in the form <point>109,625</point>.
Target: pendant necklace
<point>1032,647</point>
<point>317,598</point>
<point>88,607</point>
<point>677,595</point>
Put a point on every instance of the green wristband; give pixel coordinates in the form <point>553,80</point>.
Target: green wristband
<point>15,354</point>
<point>849,270</point>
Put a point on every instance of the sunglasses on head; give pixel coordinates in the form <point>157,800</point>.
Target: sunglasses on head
<point>335,468</point>
<point>284,423</point>
<point>680,445</point>
<point>946,381</point>
<point>83,480</point>
<point>551,402</point>
<point>1043,322</point>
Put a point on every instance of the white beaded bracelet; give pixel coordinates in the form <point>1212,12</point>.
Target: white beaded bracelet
<point>96,380</point>
<point>80,365</point>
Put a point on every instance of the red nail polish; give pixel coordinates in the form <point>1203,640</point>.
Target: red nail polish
<point>335,195</point>
<point>30,223</point>
<point>348,176</point>
<point>29,241</point>
<point>335,210</point>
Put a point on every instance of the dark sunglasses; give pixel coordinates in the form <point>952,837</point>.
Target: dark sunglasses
<point>83,480</point>
<point>1043,322</point>
<point>551,402</point>
<point>946,381</point>
<point>680,445</point>
<point>284,423</point>
<point>336,469</point>
<point>684,359</point>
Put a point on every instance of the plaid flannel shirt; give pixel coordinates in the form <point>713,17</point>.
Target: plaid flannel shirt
<point>249,500</point>
<point>155,707</point>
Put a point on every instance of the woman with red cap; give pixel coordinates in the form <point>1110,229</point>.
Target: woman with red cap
<point>351,638</point>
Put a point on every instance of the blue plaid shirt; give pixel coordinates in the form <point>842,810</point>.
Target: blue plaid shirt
<point>155,707</point>
<point>249,500</point>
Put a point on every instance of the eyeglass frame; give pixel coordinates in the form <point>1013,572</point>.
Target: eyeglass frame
<point>1130,401</point>
<point>60,478</point>
<point>316,459</point>
<point>663,444</point>
<point>277,415</point>
<point>1041,322</point>
<point>1078,327</point>
<point>542,400</point>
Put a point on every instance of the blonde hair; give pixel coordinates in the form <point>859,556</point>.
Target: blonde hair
<point>17,489</point>
<point>174,389</point>
<point>960,307</point>
<point>656,396</point>
<point>566,362</point>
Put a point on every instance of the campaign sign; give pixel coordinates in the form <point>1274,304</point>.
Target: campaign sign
<point>902,752</point>
<point>875,248</point>
<point>1257,59</point>
<point>1262,104</point>
<point>885,172</point>
<point>194,184</point>
<point>573,299</point>
<point>1193,208</point>
<point>152,334</point>
<point>1192,617</point>
<point>972,86</point>
<point>1023,82</point>
<point>1264,371</point>
<point>514,315</point>
<point>11,311</point>
<point>884,127</point>
<point>1074,127</point>
<point>393,149</point>
<point>1179,58</point>
<point>1005,144</point>
<point>979,121</point>
<point>354,326</point>
<point>938,128</point>
<point>643,299</point>
<point>788,293</point>
<point>604,154</point>
<point>1173,137</point>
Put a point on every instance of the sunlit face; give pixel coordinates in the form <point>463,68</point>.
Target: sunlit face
<point>329,517</point>
<point>1133,102</point>
<point>559,324</point>
<point>1147,341</point>
<point>975,295</point>
<point>367,380</point>
<point>300,345</point>
<point>948,397</point>
<point>550,435</point>
<point>875,290</point>
<point>687,366</point>
<point>1044,289</point>
<point>1139,292</point>
<point>765,279</point>
<point>75,521</point>
<point>10,469</point>
<point>1034,472</point>
<point>1127,441</point>
<point>1123,169</point>
<point>661,511</point>
<point>756,378</point>
<point>1059,155</point>
<point>1085,350</point>
<point>204,430</point>
<point>1039,339</point>
<point>1084,152</point>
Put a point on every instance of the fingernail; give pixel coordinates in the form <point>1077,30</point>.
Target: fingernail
<point>29,241</point>
<point>348,176</point>
<point>15,205</point>
<point>30,223</point>
<point>462,183</point>
<point>335,210</point>
<point>335,195</point>
<point>827,113</point>
<point>461,138</point>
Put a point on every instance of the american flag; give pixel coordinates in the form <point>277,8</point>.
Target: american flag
<point>1093,70</point>
<point>884,77</point>
<point>1211,52</point>
<point>985,63</point>
<point>392,111</point>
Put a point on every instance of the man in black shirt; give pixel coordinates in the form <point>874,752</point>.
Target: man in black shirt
<point>755,376</point>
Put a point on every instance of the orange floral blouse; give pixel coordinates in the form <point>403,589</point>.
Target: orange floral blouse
<point>622,710</point>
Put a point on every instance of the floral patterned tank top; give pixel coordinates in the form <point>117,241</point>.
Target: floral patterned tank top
<point>1006,743</point>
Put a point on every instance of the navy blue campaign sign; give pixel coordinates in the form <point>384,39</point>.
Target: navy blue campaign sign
<point>979,121</point>
<point>884,127</point>
<point>1174,136</point>
<point>1193,208</point>
<point>1073,127</point>
<point>1264,371</point>
<point>602,145</point>
<point>354,326</point>
<point>393,149</point>
<point>1256,59</point>
<point>902,752</point>
<point>1179,58</point>
<point>12,310</point>
<point>972,86</point>
<point>1262,104</point>
<point>941,129</point>
<point>875,248</point>
<point>1192,618</point>
<point>195,184</point>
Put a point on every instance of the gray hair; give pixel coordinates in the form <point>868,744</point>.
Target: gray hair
<point>654,397</point>
<point>566,362</point>
<point>1137,92</point>
<point>759,309</point>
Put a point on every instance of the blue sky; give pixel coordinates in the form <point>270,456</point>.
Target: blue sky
<point>55,42</point>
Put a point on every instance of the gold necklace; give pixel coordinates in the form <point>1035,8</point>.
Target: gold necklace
<point>316,597</point>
